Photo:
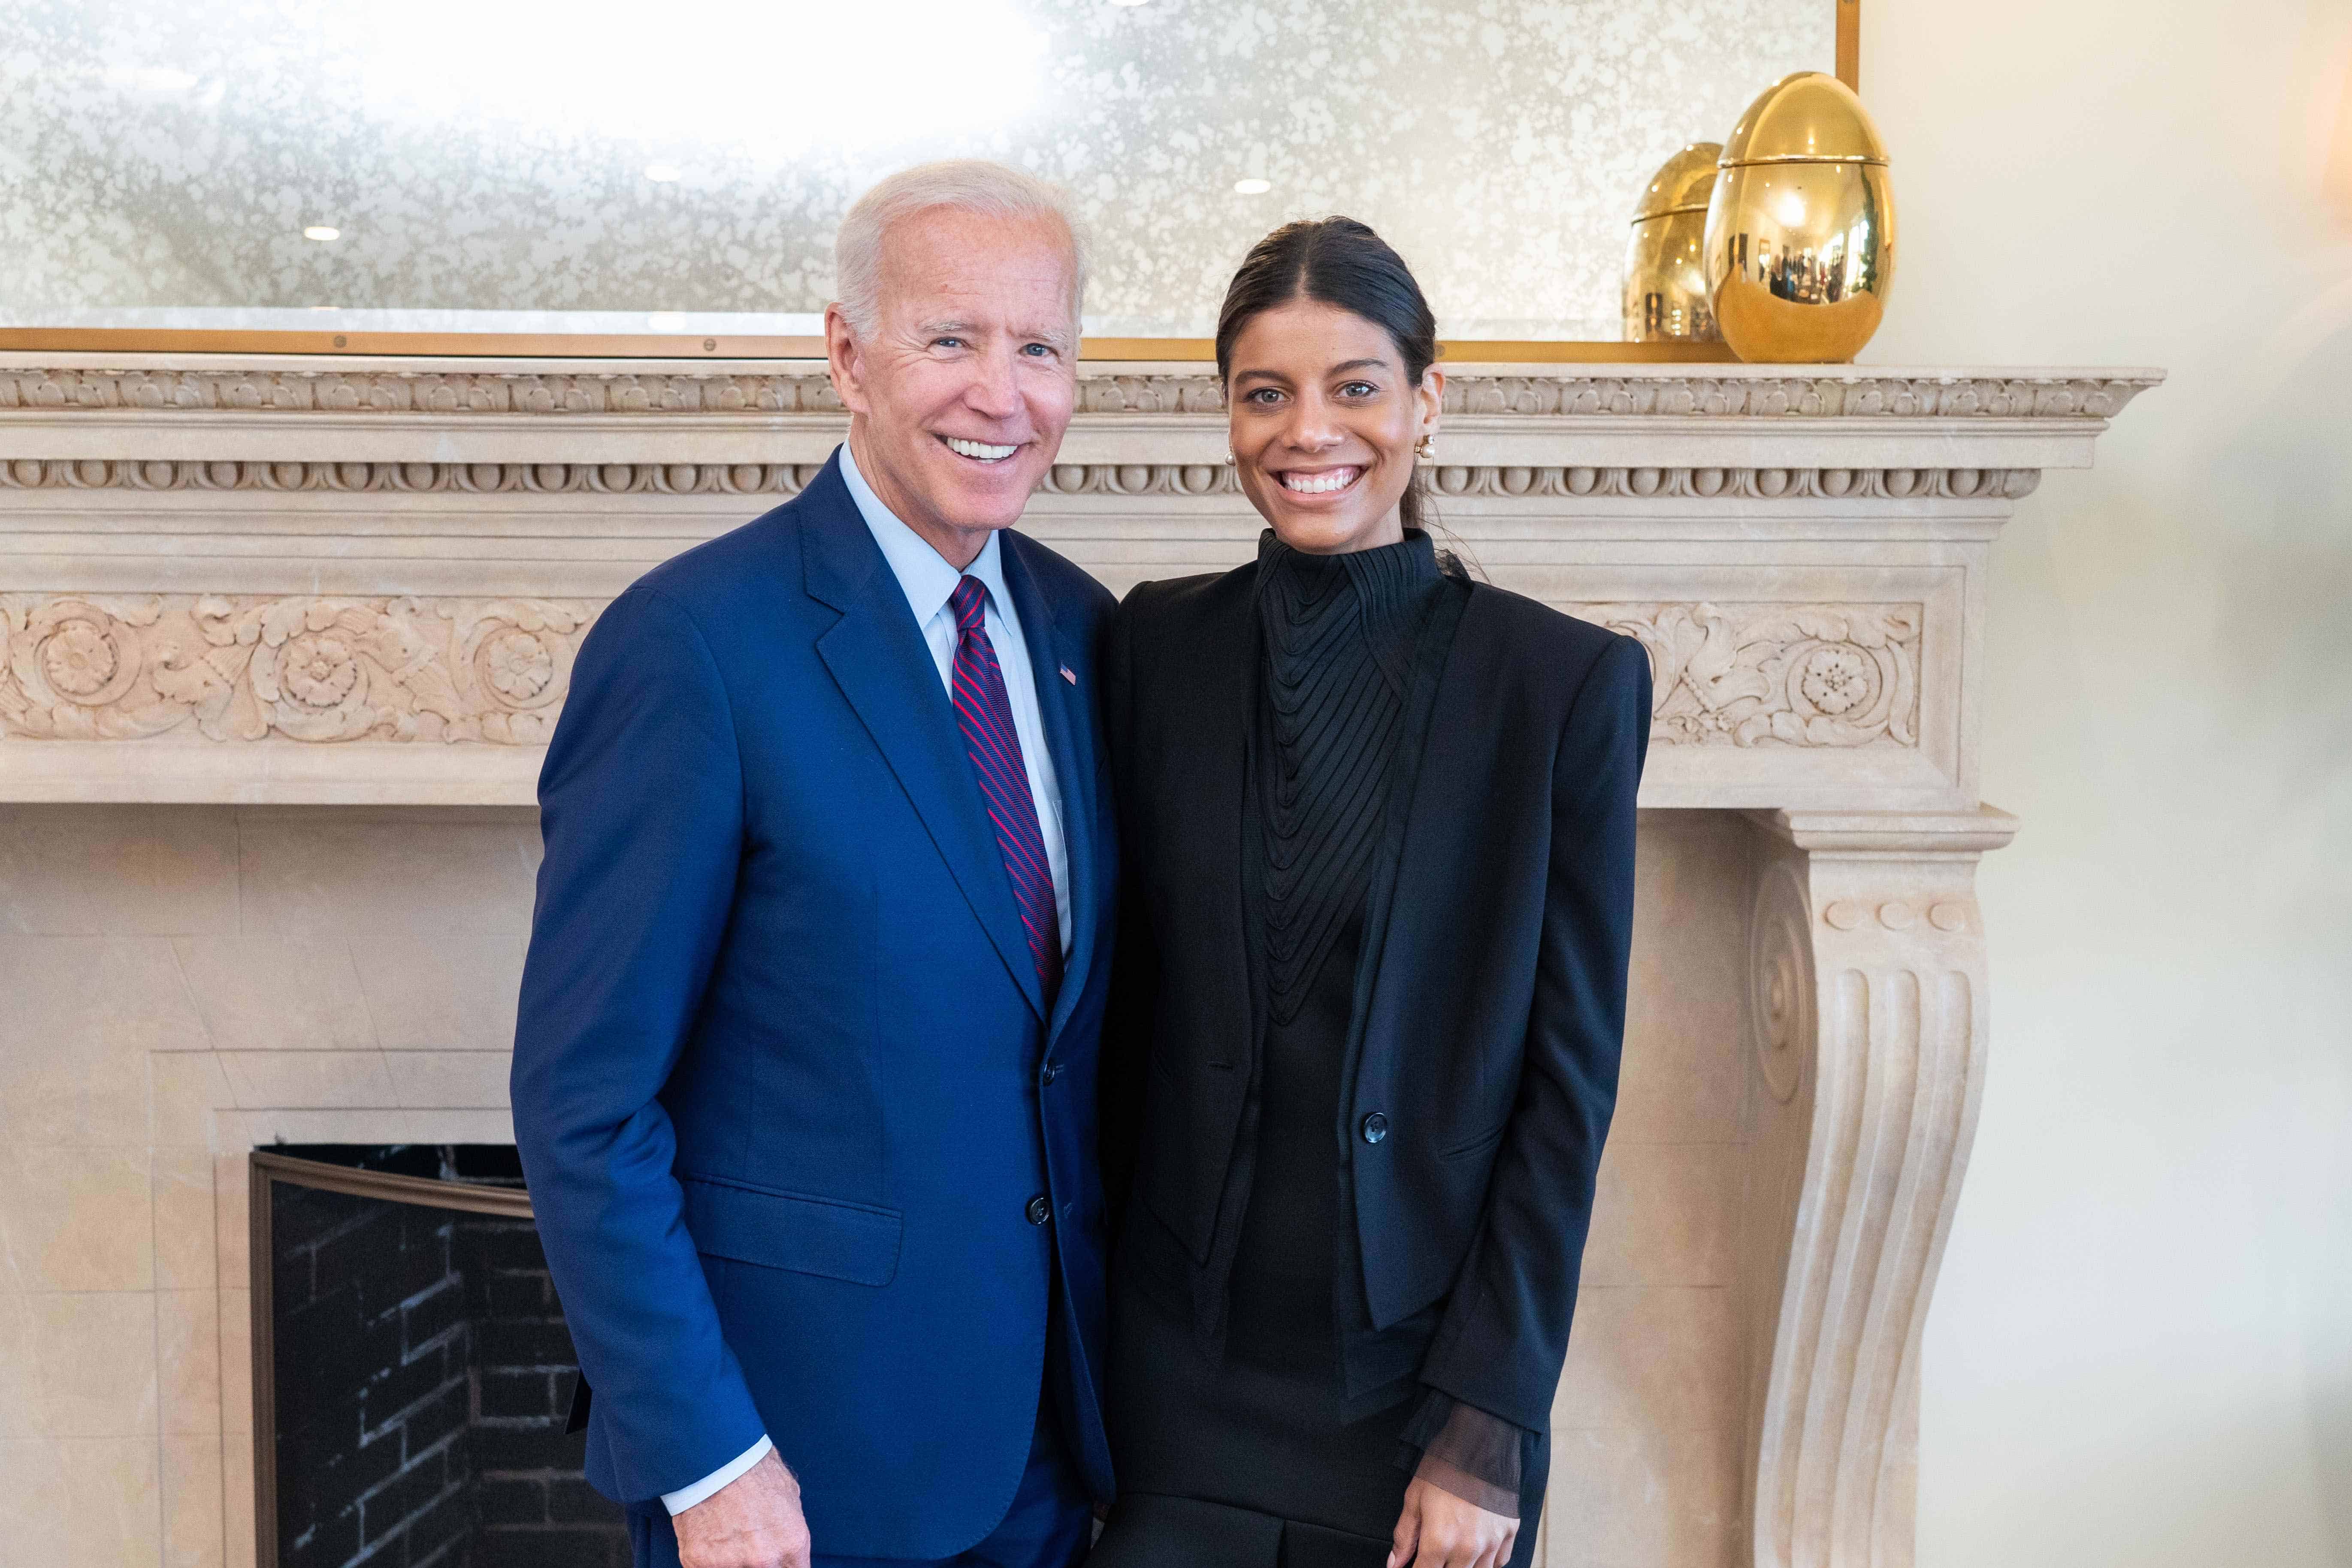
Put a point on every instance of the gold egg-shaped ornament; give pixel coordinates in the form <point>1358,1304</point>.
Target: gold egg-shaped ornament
<point>1665,259</point>
<point>1800,227</point>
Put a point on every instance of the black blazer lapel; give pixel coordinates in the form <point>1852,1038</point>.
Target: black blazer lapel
<point>1210,699</point>
<point>878,657</point>
<point>1210,687</point>
<point>1398,869</point>
<point>1068,712</point>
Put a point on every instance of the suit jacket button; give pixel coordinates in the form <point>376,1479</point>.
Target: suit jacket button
<point>1040,1211</point>
<point>1053,1071</point>
<point>1376,1127</point>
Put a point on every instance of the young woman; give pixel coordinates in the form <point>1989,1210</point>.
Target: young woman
<point>1378,822</point>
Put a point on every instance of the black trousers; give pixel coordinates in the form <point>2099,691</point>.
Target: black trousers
<point>1243,1464</point>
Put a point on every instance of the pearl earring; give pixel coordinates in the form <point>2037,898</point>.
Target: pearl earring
<point>1229,457</point>
<point>1427,448</point>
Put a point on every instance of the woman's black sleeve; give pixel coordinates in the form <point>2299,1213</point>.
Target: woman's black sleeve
<point>1504,1335</point>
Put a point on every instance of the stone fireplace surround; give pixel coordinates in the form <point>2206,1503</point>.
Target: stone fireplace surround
<point>284,635</point>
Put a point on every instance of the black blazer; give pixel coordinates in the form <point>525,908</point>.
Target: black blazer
<point>1491,1027</point>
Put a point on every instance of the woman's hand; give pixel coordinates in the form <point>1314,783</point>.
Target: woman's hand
<point>1438,1530</point>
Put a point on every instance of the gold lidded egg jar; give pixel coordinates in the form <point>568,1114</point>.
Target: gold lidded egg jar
<point>1800,227</point>
<point>1665,258</point>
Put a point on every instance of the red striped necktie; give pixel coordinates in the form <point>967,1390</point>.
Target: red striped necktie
<point>985,715</point>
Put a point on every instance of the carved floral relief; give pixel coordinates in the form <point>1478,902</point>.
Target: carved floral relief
<point>316,669</point>
<point>322,669</point>
<point>1788,675</point>
<point>306,668</point>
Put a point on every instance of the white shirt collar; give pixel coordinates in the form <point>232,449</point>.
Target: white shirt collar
<point>923,573</point>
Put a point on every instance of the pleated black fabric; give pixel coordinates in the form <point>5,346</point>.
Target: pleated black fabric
<point>1338,654</point>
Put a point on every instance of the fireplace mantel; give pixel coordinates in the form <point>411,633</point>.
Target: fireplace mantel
<point>300,580</point>
<point>342,582</point>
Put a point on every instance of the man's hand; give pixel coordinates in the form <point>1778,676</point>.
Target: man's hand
<point>1438,1530</point>
<point>752,1522</point>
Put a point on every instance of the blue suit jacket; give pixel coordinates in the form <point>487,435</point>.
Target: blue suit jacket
<point>783,1085</point>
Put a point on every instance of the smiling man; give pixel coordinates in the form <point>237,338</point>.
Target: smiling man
<point>804,1065</point>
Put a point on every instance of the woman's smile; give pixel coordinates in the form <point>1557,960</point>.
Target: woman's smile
<point>1320,481</point>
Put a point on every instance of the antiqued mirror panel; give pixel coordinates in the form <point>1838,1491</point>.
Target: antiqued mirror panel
<point>165,163</point>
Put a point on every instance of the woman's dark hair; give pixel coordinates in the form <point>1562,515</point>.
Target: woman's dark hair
<point>1337,261</point>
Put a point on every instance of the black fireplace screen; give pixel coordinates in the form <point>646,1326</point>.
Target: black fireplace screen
<point>412,1370</point>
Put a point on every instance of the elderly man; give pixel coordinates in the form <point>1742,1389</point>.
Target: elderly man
<point>805,1069</point>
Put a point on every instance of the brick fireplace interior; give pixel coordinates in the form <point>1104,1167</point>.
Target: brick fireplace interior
<point>421,1371</point>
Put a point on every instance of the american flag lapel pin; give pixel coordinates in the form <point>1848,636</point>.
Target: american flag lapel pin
<point>1069,675</point>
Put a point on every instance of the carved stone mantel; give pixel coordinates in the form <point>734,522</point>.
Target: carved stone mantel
<point>342,580</point>
<point>361,582</point>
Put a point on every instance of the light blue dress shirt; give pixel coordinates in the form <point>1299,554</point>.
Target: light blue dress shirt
<point>927,580</point>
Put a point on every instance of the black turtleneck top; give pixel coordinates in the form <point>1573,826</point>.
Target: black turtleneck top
<point>1338,634</point>
<point>1341,635</point>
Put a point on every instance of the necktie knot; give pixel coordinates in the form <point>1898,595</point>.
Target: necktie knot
<point>969,603</point>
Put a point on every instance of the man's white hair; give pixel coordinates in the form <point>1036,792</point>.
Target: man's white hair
<point>966,184</point>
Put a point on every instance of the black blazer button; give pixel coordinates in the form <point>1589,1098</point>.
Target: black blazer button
<point>1053,1071</point>
<point>1040,1211</point>
<point>1376,1127</point>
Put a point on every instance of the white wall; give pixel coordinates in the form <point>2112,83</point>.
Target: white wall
<point>2141,1351</point>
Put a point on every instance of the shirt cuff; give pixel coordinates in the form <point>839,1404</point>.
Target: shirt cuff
<point>685,1498</point>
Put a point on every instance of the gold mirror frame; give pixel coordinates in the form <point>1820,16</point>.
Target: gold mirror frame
<point>684,346</point>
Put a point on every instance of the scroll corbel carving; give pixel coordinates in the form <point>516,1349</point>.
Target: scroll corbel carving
<point>1866,1016</point>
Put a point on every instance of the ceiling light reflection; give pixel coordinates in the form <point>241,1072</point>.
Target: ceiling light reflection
<point>1251,187</point>
<point>322,232</point>
<point>149,78</point>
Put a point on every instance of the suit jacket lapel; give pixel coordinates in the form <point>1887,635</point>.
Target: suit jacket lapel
<point>878,657</point>
<point>1396,868</point>
<point>1069,710</point>
<point>1218,698</point>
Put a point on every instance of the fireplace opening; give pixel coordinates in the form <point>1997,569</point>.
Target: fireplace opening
<point>412,1370</point>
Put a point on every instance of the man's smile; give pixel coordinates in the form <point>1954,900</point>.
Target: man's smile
<point>979,451</point>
